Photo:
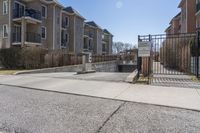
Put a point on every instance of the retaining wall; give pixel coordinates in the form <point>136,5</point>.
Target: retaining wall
<point>109,66</point>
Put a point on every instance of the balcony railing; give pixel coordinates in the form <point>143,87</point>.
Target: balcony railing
<point>27,13</point>
<point>33,37</point>
<point>30,37</point>
<point>198,7</point>
<point>16,38</point>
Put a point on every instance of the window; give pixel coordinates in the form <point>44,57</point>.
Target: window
<point>5,31</point>
<point>67,21</point>
<point>66,37</point>
<point>43,32</point>
<point>5,7</point>
<point>19,10</point>
<point>44,11</point>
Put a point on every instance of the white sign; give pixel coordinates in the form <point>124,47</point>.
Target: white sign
<point>90,58</point>
<point>144,49</point>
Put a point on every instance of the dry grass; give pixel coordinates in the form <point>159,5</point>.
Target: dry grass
<point>8,72</point>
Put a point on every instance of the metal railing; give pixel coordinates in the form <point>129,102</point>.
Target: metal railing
<point>16,38</point>
<point>33,37</point>
<point>27,13</point>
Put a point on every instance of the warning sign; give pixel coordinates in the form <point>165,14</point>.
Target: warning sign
<point>144,49</point>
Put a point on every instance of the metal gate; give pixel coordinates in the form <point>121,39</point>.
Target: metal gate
<point>171,54</point>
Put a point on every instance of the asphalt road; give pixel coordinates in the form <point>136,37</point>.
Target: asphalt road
<point>30,111</point>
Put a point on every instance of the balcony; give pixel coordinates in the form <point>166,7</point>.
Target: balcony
<point>33,37</point>
<point>28,14</point>
<point>16,38</point>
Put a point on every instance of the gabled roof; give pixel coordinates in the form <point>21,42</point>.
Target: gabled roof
<point>73,11</point>
<point>176,17</point>
<point>107,32</point>
<point>93,24</point>
<point>168,28</point>
<point>53,1</point>
<point>181,3</point>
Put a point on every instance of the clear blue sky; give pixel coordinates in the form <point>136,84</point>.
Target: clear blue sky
<point>127,19</point>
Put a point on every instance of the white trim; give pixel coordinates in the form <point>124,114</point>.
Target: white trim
<point>64,12</point>
<point>60,29</point>
<point>16,43</point>
<point>43,27</point>
<point>186,16</point>
<point>22,4</point>
<point>197,13</point>
<point>67,38</point>
<point>6,10</point>
<point>46,10</point>
<point>74,34</point>
<point>5,25</point>
<point>67,20</point>
<point>32,43</point>
<point>54,19</point>
<point>9,24</point>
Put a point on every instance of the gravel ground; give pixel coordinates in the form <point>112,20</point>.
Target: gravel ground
<point>31,111</point>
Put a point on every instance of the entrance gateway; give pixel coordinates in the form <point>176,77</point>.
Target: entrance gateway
<point>169,57</point>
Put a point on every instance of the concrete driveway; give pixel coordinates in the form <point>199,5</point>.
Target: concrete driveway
<point>99,76</point>
<point>187,98</point>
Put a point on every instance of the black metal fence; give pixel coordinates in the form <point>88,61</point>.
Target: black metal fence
<point>171,54</point>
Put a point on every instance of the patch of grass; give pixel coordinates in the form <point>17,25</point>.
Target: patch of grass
<point>143,80</point>
<point>8,72</point>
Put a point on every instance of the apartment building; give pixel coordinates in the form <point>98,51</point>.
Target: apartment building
<point>175,25</point>
<point>74,30</point>
<point>188,19</point>
<point>107,42</point>
<point>47,24</point>
<point>30,23</point>
<point>93,37</point>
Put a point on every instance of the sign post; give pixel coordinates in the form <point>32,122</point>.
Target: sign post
<point>144,52</point>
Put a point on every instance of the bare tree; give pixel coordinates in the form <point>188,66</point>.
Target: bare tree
<point>120,47</point>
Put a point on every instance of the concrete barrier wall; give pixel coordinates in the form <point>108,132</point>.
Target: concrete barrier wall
<point>109,66</point>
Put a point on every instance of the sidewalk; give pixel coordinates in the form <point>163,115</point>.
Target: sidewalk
<point>167,96</point>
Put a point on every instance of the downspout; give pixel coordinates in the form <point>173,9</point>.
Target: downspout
<point>60,28</point>
<point>186,16</point>
<point>74,34</point>
<point>9,24</point>
<point>54,19</point>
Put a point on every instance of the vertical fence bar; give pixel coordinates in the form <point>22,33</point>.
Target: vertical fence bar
<point>197,54</point>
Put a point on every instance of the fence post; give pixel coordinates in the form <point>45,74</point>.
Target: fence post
<point>138,61</point>
<point>197,54</point>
